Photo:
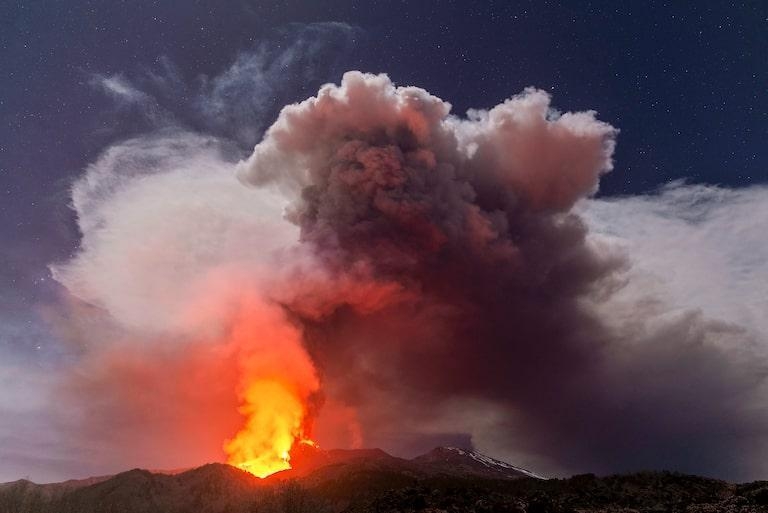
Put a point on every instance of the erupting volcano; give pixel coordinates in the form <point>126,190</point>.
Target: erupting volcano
<point>382,273</point>
<point>370,242</point>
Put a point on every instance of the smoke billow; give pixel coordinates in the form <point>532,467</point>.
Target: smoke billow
<point>407,275</point>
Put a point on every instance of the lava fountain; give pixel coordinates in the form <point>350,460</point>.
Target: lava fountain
<point>277,389</point>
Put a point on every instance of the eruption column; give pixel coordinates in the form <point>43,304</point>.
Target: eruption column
<point>278,381</point>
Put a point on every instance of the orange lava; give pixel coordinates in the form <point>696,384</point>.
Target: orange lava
<point>275,419</point>
<point>278,381</point>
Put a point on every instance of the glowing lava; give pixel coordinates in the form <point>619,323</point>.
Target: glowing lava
<point>276,390</point>
<point>275,423</point>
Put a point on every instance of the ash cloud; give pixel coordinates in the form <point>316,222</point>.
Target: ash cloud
<point>505,298</point>
<point>448,278</point>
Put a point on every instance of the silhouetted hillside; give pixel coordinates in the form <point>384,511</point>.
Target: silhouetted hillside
<point>445,480</point>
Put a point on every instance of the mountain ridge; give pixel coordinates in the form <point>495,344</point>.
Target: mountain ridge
<point>307,460</point>
<point>444,480</point>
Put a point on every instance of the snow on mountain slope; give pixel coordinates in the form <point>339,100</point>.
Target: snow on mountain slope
<point>453,460</point>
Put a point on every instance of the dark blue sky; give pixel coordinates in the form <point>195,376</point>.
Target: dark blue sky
<point>685,82</point>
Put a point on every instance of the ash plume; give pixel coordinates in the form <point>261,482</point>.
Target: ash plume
<point>415,274</point>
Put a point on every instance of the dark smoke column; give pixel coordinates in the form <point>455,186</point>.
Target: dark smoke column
<point>462,273</point>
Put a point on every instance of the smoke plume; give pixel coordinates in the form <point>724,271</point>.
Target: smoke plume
<point>401,274</point>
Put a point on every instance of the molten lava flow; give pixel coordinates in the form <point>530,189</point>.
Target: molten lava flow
<point>277,385</point>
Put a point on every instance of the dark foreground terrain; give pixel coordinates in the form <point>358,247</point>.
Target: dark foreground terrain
<point>444,480</point>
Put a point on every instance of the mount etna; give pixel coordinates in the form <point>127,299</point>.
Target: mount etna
<point>311,257</point>
<point>444,480</point>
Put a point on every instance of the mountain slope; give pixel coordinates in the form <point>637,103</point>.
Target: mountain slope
<point>443,480</point>
<point>455,461</point>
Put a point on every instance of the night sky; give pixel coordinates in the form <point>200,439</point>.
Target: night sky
<point>684,82</point>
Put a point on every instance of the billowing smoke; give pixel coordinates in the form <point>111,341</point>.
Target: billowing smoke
<point>406,277</point>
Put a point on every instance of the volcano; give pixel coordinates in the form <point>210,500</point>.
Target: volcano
<point>446,479</point>
<point>316,476</point>
<point>309,461</point>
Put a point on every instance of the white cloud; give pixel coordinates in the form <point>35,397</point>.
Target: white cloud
<point>238,102</point>
<point>121,89</point>
<point>160,215</point>
<point>694,247</point>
